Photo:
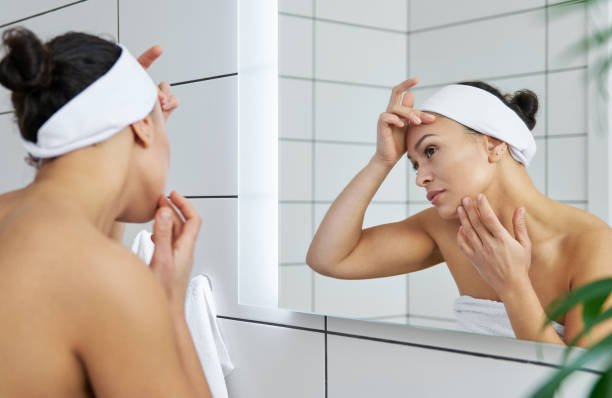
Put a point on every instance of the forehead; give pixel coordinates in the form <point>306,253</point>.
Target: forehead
<point>443,127</point>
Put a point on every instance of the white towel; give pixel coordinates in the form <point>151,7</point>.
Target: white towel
<point>202,321</point>
<point>143,246</point>
<point>487,317</point>
<point>201,315</point>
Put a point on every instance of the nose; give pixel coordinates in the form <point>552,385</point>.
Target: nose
<point>423,177</point>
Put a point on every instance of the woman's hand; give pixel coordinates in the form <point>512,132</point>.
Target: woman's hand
<point>175,232</point>
<point>167,100</point>
<point>502,260</point>
<point>393,124</point>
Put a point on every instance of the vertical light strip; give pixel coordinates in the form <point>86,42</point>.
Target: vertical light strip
<point>258,153</point>
<point>599,145</point>
<point>313,153</point>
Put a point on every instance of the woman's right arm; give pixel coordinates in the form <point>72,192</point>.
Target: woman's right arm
<point>340,248</point>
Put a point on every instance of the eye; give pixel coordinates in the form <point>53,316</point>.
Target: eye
<point>429,151</point>
<point>415,166</point>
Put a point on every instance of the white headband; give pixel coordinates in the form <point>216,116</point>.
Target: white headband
<point>484,112</point>
<point>123,95</point>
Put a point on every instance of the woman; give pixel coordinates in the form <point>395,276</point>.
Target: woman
<point>510,249</point>
<point>82,316</point>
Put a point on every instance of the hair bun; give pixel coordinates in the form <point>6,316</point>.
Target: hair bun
<point>26,65</point>
<point>526,101</point>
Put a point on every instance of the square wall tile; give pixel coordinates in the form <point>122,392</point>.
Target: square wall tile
<point>387,14</point>
<point>426,284</point>
<point>295,287</point>
<point>216,256</point>
<point>203,137</point>
<point>299,7</point>
<point>15,10</point>
<point>295,108</point>
<point>567,27</point>
<point>477,50</point>
<point>393,370</point>
<point>430,13</point>
<point>567,102</point>
<point>12,154</point>
<point>274,362</point>
<point>567,168</point>
<point>295,46</point>
<point>337,164</point>
<point>364,298</point>
<point>202,41</point>
<point>295,232</point>
<point>359,55</point>
<point>5,100</point>
<point>348,113</point>
<point>97,17</point>
<point>295,170</point>
<point>537,168</point>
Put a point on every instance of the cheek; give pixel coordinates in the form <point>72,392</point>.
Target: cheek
<point>469,174</point>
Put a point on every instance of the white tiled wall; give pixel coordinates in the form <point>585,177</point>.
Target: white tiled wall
<point>277,353</point>
<point>357,58</point>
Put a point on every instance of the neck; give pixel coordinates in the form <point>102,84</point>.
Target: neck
<point>90,181</point>
<point>513,188</point>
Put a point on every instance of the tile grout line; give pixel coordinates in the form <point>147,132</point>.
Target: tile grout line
<point>436,85</point>
<point>313,155</point>
<point>326,368</point>
<point>203,79</point>
<point>406,180</point>
<point>211,196</point>
<point>118,23</point>
<point>547,98</point>
<point>41,13</point>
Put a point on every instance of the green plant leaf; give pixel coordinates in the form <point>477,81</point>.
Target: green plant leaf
<point>607,314</point>
<point>603,387</point>
<point>590,291</point>
<point>602,348</point>
<point>592,308</point>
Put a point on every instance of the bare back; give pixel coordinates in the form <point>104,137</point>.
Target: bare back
<point>71,323</point>
<point>37,270</point>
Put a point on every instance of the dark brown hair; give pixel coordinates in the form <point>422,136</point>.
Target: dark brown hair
<point>45,76</point>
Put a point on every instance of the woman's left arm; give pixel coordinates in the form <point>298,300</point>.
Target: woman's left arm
<point>592,261</point>
<point>503,261</point>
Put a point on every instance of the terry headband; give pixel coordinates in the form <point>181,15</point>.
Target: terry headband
<point>484,112</point>
<point>123,95</point>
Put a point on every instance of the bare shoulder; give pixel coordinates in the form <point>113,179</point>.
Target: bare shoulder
<point>588,245</point>
<point>430,222</point>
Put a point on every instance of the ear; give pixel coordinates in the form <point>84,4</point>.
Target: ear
<point>495,149</point>
<point>143,131</point>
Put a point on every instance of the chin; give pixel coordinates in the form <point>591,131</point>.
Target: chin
<point>447,212</point>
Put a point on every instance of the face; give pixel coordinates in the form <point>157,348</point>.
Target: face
<point>151,168</point>
<point>450,163</point>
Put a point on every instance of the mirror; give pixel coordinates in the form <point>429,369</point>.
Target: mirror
<point>338,60</point>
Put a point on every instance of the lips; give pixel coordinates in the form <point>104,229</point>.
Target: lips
<point>432,194</point>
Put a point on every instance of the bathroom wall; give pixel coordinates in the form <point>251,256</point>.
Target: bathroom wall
<point>280,353</point>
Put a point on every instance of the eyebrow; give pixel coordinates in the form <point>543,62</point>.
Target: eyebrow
<point>419,142</point>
